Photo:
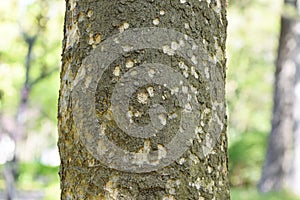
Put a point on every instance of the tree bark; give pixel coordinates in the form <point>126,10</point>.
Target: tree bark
<point>294,175</point>
<point>282,157</point>
<point>142,111</point>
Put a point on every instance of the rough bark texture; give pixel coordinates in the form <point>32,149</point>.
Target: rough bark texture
<point>201,171</point>
<point>281,169</point>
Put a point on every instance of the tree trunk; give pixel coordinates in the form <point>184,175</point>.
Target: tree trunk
<point>283,157</point>
<point>294,175</point>
<point>142,100</point>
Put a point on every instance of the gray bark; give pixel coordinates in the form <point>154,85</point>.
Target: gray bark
<point>294,175</point>
<point>282,159</point>
<point>142,100</point>
<point>278,156</point>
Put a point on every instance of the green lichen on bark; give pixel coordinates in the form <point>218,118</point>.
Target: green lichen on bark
<point>87,24</point>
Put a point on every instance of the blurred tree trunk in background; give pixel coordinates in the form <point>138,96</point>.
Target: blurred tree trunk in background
<point>282,164</point>
<point>19,132</point>
<point>87,93</point>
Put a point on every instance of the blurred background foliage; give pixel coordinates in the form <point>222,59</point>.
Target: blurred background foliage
<point>253,33</point>
<point>252,43</point>
<point>38,22</point>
